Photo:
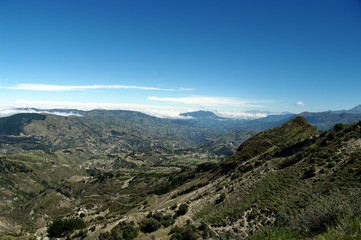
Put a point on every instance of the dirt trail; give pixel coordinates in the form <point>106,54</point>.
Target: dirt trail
<point>126,183</point>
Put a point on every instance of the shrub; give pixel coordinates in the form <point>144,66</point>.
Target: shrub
<point>206,231</point>
<point>310,172</point>
<point>183,208</point>
<point>188,232</point>
<point>60,228</point>
<point>203,167</point>
<point>279,234</point>
<point>346,229</point>
<point>150,225</point>
<point>123,230</point>
<point>338,127</point>
<point>323,212</point>
<point>167,220</point>
<point>221,197</point>
<point>158,216</point>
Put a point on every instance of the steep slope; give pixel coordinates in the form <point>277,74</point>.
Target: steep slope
<point>279,172</point>
<point>289,177</point>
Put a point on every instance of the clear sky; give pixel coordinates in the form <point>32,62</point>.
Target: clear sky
<point>171,56</point>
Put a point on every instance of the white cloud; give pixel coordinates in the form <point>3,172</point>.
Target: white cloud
<point>206,101</point>
<point>49,87</point>
<point>242,115</point>
<point>157,111</point>
<point>12,111</point>
<point>187,89</point>
<point>300,104</point>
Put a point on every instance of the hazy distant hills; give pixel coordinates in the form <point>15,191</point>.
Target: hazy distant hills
<point>202,115</point>
<point>210,121</point>
<point>322,120</point>
<point>107,131</point>
<point>356,110</point>
<point>326,120</point>
<point>104,131</point>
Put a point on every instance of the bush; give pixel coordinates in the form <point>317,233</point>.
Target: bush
<point>188,232</point>
<point>338,127</point>
<point>183,208</point>
<point>207,233</point>
<point>279,234</point>
<point>167,220</point>
<point>346,229</point>
<point>150,225</point>
<point>123,230</point>
<point>60,228</point>
<point>310,172</point>
<point>323,212</point>
<point>221,197</point>
<point>203,167</point>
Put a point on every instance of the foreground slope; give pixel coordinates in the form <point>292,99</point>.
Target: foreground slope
<point>290,177</point>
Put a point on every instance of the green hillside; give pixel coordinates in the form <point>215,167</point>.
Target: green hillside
<point>289,182</point>
<point>281,178</point>
<point>14,124</point>
<point>98,132</point>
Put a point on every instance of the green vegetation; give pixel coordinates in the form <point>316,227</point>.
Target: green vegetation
<point>296,194</point>
<point>188,232</point>
<point>221,197</point>
<point>123,231</point>
<point>62,227</point>
<point>150,225</point>
<point>290,182</point>
<point>154,221</point>
<point>14,125</point>
<point>284,234</point>
<point>183,208</point>
<point>347,229</point>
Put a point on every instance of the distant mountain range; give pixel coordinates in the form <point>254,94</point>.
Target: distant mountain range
<point>356,109</point>
<point>322,120</point>
<point>101,130</point>
<point>202,115</point>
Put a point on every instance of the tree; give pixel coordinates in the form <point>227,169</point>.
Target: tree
<point>60,227</point>
<point>150,225</point>
<point>183,208</point>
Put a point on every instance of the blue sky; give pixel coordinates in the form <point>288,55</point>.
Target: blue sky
<point>166,57</point>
